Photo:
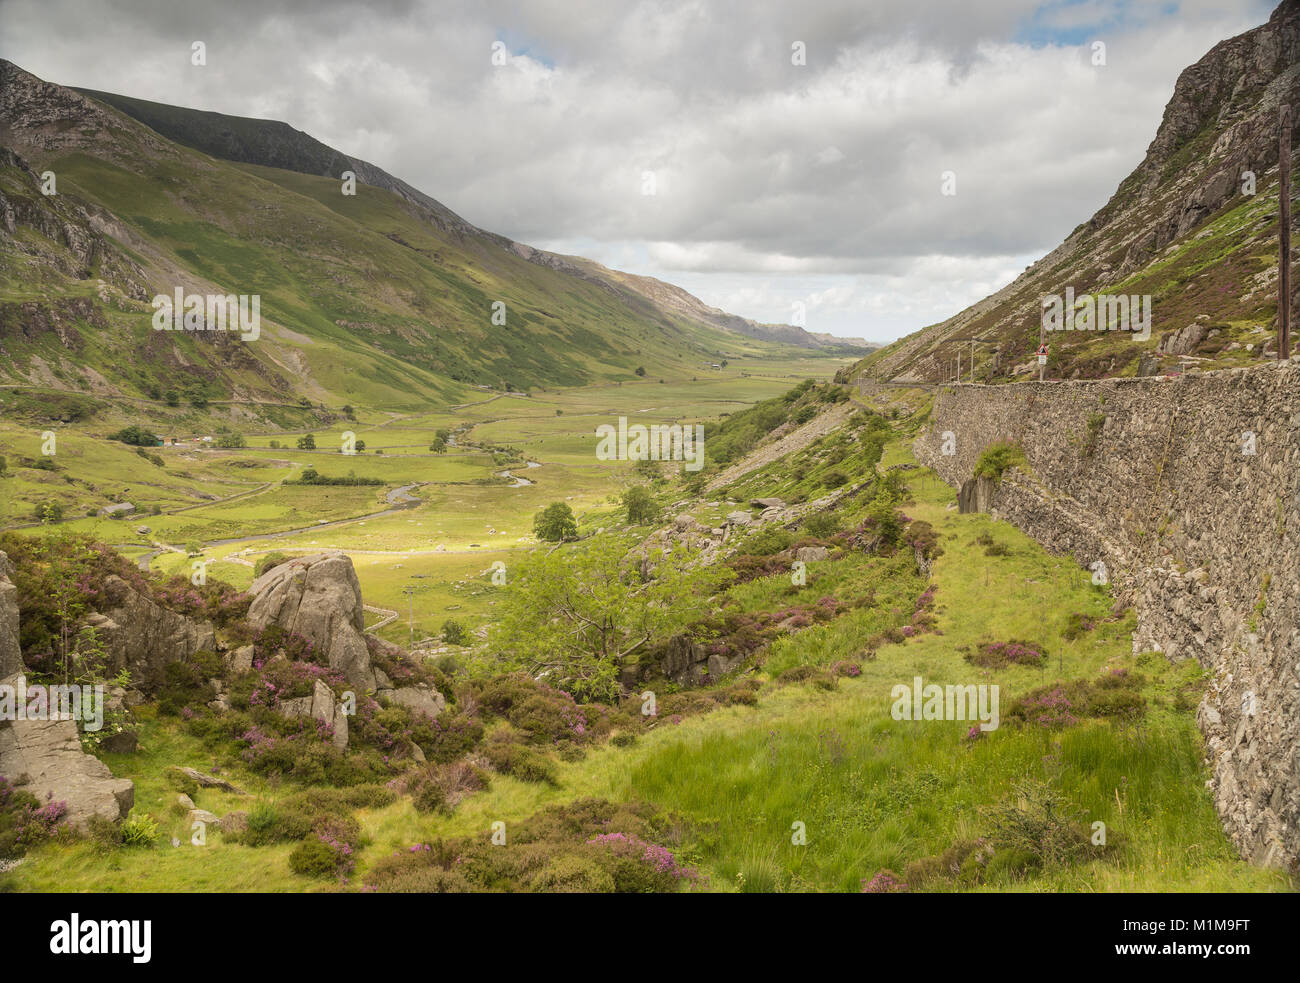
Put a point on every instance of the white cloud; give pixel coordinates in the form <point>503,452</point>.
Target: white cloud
<point>775,182</point>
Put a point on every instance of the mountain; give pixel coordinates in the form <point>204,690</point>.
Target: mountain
<point>382,298</point>
<point>275,144</point>
<point>1181,228</point>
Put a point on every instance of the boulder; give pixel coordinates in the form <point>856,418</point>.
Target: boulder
<point>767,503</point>
<point>240,659</point>
<point>203,816</point>
<point>420,699</point>
<point>186,802</point>
<point>46,755</point>
<point>211,781</point>
<point>142,637</point>
<point>124,742</point>
<point>325,708</point>
<point>11,656</point>
<point>739,518</point>
<point>319,598</point>
<point>811,554</point>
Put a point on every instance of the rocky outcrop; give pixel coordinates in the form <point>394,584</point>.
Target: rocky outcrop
<point>1184,495</point>
<point>319,598</point>
<point>419,699</point>
<point>11,656</point>
<point>143,637</point>
<point>685,662</point>
<point>44,757</point>
<point>976,494</point>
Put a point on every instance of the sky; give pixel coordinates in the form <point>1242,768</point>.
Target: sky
<point>860,167</point>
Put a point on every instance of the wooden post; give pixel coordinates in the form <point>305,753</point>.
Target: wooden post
<point>1042,340</point>
<point>1284,236</point>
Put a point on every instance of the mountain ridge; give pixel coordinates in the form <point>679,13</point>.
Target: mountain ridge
<point>274,143</point>
<point>1179,227</point>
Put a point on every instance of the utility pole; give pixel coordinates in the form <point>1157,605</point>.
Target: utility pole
<point>1284,236</point>
<point>1042,340</point>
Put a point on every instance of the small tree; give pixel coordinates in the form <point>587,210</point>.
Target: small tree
<point>579,613</point>
<point>454,633</point>
<point>439,446</point>
<point>640,370</point>
<point>307,442</point>
<point>640,505</point>
<point>555,523</point>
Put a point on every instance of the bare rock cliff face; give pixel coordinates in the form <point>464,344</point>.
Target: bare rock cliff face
<point>140,636</point>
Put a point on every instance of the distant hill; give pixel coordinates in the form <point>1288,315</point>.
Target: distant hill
<point>385,298</point>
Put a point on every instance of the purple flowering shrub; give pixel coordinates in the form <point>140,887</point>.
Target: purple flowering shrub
<point>640,867</point>
<point>885,882</point>
<point>589,845</point>
<point>25,822</point>
<point>49,570</point>
<point>545,715</point>
<point>1000,655</point>
<point>1116,694</point>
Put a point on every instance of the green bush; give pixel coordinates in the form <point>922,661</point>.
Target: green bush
<point>313,858</point>
<point>521,762</point>
<point>997,458</point>
<point>268,561</point>
<point>454,633</point>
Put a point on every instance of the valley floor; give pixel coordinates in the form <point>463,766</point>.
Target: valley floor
<point>824,756</point>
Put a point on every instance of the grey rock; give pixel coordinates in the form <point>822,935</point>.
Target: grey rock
<point>123,742</point>
<point>48,753</point>
<point>11,656</point>
<point>318,597</point>
<point>142,637</point>
<point>419,699</point>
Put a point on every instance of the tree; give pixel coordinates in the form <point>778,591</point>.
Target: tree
<point>578,613</point>
<point>454,633</point>
<point>349,412</point>
<point>307,442</point>
<point>640,370</point>
<point>231,441</point>
<point>361,446</point>
<point>640,505</point>
<point>439,446</point>
<point>555,523</point>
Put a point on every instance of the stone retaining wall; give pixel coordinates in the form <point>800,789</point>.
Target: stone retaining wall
<point>1155,479</point>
